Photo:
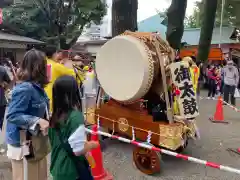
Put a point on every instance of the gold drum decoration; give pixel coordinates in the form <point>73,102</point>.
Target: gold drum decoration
<point>123,124</point>
<point>90,116</point>
<point>171,135</point>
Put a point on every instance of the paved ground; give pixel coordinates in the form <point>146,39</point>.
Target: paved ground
<point>215,138</point>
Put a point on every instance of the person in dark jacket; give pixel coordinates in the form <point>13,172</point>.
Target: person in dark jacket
<point>212,77</point>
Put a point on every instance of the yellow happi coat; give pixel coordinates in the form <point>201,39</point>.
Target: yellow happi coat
<point>195,73</point>
<point>56,70</point>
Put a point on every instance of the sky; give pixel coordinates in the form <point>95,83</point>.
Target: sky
<point>147,8</point>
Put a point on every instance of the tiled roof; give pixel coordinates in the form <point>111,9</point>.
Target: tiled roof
<point>10,37</point>
<point>192,36</point>
<point>153,24</point>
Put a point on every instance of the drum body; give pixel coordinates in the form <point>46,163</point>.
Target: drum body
<point>126,67</point>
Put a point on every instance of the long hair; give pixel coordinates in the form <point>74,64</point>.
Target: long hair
<point>66,98</point>
<point>33,68</point>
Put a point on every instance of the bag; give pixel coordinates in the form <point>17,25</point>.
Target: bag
<point>236,93</point>
<point>39,145</point>
<point>82,166</point>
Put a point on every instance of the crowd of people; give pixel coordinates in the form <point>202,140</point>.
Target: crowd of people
<point>45,111</point>
<point>222,80</point>
<point>45,106</point>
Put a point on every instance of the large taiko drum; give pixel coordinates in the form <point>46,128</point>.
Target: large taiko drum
<point>127,65</point>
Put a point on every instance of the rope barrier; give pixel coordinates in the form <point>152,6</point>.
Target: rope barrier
<point>150,133</point>
<point>167,152</point>
<point>153,148</point>
<point>229,105</point>
<point>133,128</point>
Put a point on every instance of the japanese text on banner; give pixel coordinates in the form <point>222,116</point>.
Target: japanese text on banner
<point>182,80</point>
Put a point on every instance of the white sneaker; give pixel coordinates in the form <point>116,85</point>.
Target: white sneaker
<point>213,98</point>
<point>208,98</point>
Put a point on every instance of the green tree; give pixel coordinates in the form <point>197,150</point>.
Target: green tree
<point>190,22</point>
<point>194,20</point>
<point>231,13</point>
<point>207,26</point>
<point>57,22</point>
<point>124,16</point>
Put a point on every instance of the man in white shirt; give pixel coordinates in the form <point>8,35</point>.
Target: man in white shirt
<point>231,79</point>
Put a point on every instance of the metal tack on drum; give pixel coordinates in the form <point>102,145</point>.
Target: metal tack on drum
<point>123,124</point>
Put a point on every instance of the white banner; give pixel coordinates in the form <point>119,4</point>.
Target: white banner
<point>182,80</point>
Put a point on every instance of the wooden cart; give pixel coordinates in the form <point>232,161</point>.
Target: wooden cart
<point>132,120</point>
<point>115,117</point>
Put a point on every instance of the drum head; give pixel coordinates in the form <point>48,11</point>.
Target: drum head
<point>125,68</point>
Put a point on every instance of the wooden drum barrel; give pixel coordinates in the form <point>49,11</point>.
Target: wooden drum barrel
<point>127,65</point>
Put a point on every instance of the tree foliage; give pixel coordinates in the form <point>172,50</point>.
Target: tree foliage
<point>57,22</point>
<point>189,21</point>
<point>194,20</point>
<point>231,13</point>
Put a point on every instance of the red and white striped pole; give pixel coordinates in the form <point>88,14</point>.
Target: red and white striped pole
<point>170,153</point>
<point>229,105</point>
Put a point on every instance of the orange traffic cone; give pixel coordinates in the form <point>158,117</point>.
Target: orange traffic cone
<point>218,116</point>
<point>98,171</point>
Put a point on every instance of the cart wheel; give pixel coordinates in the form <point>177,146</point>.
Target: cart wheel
<point>147,161</point>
